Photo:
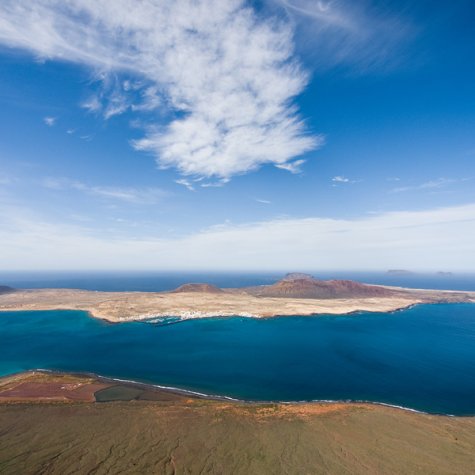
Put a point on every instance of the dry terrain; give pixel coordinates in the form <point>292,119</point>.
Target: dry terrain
<point>301,295</point>
<point>137,430</point>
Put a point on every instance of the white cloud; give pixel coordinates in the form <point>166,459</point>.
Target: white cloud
<point>292,167</point>
<point>214,184</point>
<point>49,121</point>
<point>186,183</point>
<point>340,179</point>
<point>433,239</point>
<point>226,76</point>
<point>92,104</point>
<point>265,202</point>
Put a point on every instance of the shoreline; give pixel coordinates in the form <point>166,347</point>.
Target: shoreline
<point>294,295</point>
<point>149,319</point>
<point>223,398</point>
<point>122,429</point>
<point>302,308</point>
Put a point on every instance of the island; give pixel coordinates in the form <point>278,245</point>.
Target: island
<point>295,294</point>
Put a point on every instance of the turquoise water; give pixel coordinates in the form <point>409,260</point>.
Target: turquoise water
<point>421,358</point>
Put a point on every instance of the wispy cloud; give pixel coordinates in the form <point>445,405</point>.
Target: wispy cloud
<point>341,179</point>
<point>265,202</point>
<point>92,104</point>
<point>131,195</point>
<point>214,184</point>
<point>226,75</point>
<point>127,194</point>
<point>186,183</point>
<point>364,34</point>
<point>430,185</point>
<point>292,167</point>
<point>433,239</point>
<point>49,121</point>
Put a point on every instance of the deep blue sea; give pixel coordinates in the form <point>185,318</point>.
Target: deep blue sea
<point>421,358</point>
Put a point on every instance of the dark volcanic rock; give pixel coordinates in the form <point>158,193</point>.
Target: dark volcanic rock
<point>207,288</point>
<point>310,288</point>
<point>4,289</point>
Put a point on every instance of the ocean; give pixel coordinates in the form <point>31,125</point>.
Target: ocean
<point>421,358</point>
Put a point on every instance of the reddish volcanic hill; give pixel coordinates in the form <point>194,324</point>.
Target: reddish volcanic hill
<point>307,287</point>
<point>207,288</point>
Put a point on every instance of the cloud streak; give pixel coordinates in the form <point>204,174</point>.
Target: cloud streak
<point>433,239</point>
<point>146,196</point>
<point>341,179</point>
<point>431,185</point>
<point>365,35</point>
<point>226,77</point>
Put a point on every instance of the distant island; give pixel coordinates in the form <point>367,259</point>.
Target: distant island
<point>295,294</point>
<point>403,272</point>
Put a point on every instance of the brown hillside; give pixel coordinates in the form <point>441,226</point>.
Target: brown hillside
<point>302,286</point>
<point>206,288</point>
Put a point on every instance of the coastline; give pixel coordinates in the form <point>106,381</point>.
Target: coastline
<point>212,397</point>
<point>166,433</point>
<point>117,307</point>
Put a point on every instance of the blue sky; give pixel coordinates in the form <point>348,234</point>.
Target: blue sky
<point>283,134</point>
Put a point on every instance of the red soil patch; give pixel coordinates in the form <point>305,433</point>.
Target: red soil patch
<point>53,391</point>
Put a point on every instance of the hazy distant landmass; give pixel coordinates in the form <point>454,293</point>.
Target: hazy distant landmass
<point>404,272</point>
